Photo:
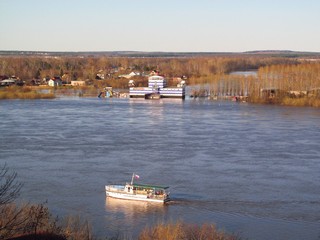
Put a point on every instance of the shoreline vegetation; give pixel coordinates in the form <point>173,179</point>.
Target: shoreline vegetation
<point>35,221</point>
<point>282,78</point>
<point>15,92</point>
<point>24,93</point>
<point>28,92</point>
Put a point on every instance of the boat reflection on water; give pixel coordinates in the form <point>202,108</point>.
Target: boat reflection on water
<point>133,208</point>
<point>130,217</point>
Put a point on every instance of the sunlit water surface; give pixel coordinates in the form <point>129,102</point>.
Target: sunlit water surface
<point>252,170</point>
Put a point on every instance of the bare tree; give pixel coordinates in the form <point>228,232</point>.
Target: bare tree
<point>9,191</point>
<point>9,187</point>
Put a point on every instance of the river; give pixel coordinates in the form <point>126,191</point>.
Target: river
<point>252,170</point>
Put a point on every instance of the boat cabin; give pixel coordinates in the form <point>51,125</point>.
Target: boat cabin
<point>145,189</point>
<point>138,192</point>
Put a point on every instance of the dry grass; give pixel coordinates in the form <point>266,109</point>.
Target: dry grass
<point>14,92</point>
<point>76,228</point>
<point>301,102</point>
<point>27,221</point>
<point>180,231</point>
<point>288,101</point>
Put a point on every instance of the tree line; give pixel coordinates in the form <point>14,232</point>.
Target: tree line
<point>86,68</point>
<point>276,75</point>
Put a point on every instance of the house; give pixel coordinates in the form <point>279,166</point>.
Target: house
<point>131,83</point>
<point>315,92</point>
<point>100,75</point>
<point>7,82</point>
<point>3,77</point>
<point>13,80</point>
<point>55,82</point>
<point>35,82</point>
<point>65,78</point>
<point>130,75</point>
<point>78,83</point>
<point>297,93</point>
<point>179,81</point>
<point>269,92</point>
<point>154,73</point>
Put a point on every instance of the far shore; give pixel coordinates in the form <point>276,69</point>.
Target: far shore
<point>47,92</point>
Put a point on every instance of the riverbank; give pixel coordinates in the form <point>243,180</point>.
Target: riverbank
<point>39,92</point>
<point>301,102</point>
<point>288,101</point>
<point>15,92</point>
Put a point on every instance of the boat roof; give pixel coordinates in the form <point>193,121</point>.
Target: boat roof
<point>150,186</point>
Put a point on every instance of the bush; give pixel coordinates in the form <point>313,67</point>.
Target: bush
<point>23,222</point>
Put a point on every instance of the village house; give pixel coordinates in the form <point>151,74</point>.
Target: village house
<point>100,75</point>
<point>273,93</point>
<point>154,73</point>
<point>78,83</point>
<point>297,94</point>
<point>3,77</point>
<point>65,78</point>
<point>131,83</point>
<point>130,75</point>
<point>315,92</point>
<point>55,82</point>
<point>35,82</point>
<point>179,81</point>
<point>7,82</point>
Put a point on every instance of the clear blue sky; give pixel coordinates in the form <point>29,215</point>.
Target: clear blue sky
<point>163,25</point>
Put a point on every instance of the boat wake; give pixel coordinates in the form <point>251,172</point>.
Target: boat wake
<point>257,209</point>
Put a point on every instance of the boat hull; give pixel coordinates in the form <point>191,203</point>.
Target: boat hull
<point>152,96</point>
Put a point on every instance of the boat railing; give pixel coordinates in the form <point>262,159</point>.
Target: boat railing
<point>115,188</point>
<point>158,196</point>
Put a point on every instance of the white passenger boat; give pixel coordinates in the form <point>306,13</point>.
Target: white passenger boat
<point>138,192</point>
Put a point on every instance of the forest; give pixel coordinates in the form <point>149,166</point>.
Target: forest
<point>280,79</point>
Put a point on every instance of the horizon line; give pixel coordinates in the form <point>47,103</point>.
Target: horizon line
<point>174,52</point>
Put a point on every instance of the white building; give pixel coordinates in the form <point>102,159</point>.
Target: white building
<point>78,83</point>
<point>55,82</point>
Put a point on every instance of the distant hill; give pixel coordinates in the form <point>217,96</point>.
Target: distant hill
<point>279,53</point>
<point>284,53</point>
<point>111,54</point>
<point>271,52</point>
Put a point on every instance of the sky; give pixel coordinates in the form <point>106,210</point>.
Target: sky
<point>163,25</point>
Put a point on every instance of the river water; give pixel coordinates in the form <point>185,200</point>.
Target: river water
<point>252,170</point>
